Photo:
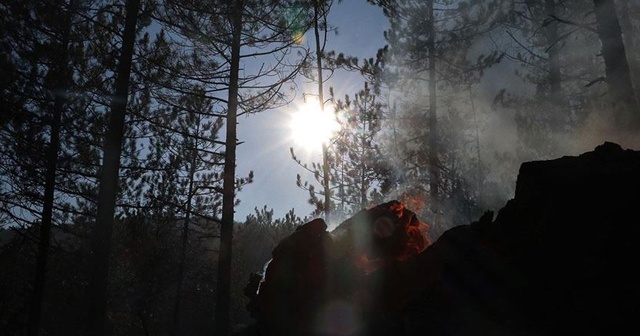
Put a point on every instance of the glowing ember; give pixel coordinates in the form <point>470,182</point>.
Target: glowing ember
<point>415,202</point>
<point>381,234</point>
<point>415,231</point>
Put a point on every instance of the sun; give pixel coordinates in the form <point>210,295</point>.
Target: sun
<point>311,127</point>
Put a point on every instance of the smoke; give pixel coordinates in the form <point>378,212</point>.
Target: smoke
<point>489,148</point>
<point>484,142</point>
<point>601,127</point>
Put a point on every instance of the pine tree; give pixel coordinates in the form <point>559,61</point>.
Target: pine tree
<point>556,45</point>
<point>618,75</point>
<point>43,48</point>
<point>358,174</point>
<point>59,74</point>
<point>359,171</point>
<point>543,45</point>
<point>430,57</point>
<point>628,14</point>
<point>107,195</point>
<point>320,13</point>
<point>186,182</point>
<point>223,37</point>
<point>324,199</point>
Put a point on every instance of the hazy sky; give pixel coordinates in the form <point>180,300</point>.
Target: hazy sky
<point>267,136</point>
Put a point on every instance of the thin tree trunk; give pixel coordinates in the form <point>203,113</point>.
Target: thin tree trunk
<point>554,76</point>
<point>47,220</point>
<point>479,172</point>
<point>433,119</point>
<point>145,324</point>
<point>60,72</point>
<point>631,46</point>
<point>185,240</point>
<point>101,242</point>
<point>551,32</point>
<point>366,121</point>
<point>325,154</point>
<point>621,93</point>
<point>222,323</point>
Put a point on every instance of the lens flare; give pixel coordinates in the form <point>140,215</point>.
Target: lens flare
<point>298,37</point>
<point>339,318</point>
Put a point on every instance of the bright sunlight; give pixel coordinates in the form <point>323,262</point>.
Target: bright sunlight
<point>310,127</point>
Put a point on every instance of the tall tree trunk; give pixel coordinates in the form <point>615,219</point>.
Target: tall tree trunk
<point>325,154</point>
<point>551,34</point>
<point>101,242</point>
<point>554,76</point>
<point>60,73</point>
<point>479,172</point>
<point>366,126</point>
<point>621,93</point>
<point>185,240</point>
<point>434,167</point>
<point>631,45</point>
<point>222,323</point>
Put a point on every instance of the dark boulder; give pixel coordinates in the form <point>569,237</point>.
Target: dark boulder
<point>560,258</point>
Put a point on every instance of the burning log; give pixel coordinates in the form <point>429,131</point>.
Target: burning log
<point>317,281</point>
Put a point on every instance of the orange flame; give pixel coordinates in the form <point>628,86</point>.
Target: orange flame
<point>382,234</point>
<point>417,241</point>
<point>415,231</point>
<point>415,202</point>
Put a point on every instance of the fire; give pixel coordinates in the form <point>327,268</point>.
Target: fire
<point>398,208</point>
<point>382,234</point>
<point>418,240</point>
<point>415,202</point>
<point>415,231</point>
<point>363,263</point>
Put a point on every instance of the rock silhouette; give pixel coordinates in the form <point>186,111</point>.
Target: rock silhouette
<point>559,258</point>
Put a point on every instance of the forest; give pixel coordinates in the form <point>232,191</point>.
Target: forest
<point>119,136</point>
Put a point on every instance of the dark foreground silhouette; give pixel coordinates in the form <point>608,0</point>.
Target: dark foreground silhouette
<point>560,258</point>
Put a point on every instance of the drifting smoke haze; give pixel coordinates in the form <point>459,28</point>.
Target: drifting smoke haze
<point>507,115</point>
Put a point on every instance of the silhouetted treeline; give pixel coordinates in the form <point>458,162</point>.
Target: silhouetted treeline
<point>144,274</point>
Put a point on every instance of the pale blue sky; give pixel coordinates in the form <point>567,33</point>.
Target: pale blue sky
<point>266,136</point>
